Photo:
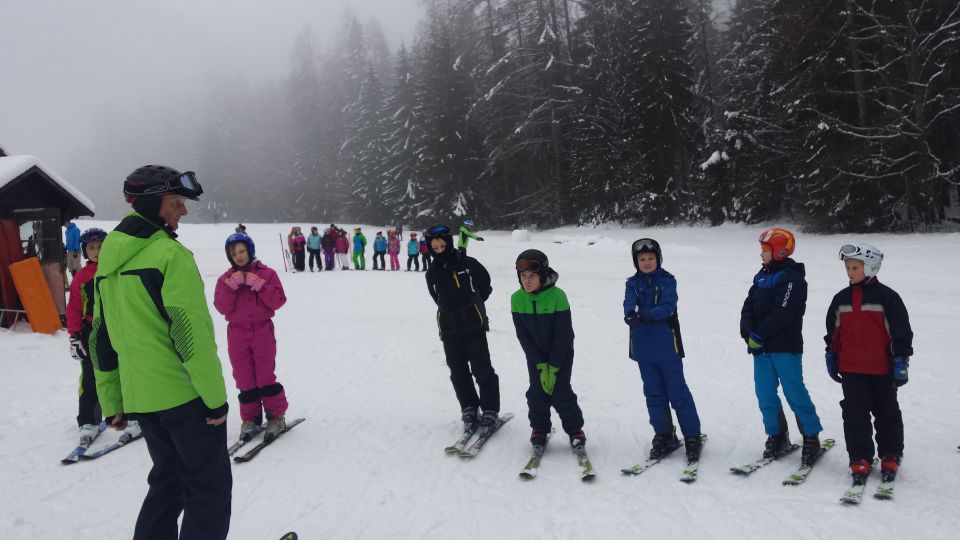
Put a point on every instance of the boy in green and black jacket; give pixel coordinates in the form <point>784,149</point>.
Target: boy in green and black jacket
<point>541,315</point>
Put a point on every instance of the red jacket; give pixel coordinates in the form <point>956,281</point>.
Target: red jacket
<point>80,305</point>
<point>867,325</point>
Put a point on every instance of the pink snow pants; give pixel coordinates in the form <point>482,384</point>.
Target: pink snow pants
<point>253,355</point>
<point>394,261</point>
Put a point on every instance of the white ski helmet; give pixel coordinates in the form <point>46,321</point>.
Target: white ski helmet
<point>871,257</point>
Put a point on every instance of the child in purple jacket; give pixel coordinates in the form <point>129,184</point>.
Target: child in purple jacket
<point>248,294</point>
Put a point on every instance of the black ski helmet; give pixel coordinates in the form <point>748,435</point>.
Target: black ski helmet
<point>646,245</point>
<point>533,260</point>
<point>156,180</point>
<point>443,233</point>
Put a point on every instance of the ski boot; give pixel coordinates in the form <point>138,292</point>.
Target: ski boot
<point>538,437</point>
<point>693,446</point>
<point>663,444</point>
<point>577,438</point>
<point>777,446</point>
<point>489,419</point>
<point>275,425</point>
<point>88,432</point>
<point>469,418</point>
<point>131,432</point>
<point>810,451</point>
<point>249,428</point>
<point>860,469</point>
<point>889,465</point>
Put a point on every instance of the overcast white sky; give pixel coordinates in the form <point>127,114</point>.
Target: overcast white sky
<point>64,64</point>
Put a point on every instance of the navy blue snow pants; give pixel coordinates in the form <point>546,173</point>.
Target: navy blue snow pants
<point>664,386</point>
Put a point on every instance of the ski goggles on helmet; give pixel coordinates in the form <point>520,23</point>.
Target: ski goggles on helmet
<point>185,184</point>
<point>853,250</point>
<point>92,235</point>
<point>645,244</point>
<point>526,264</point>
<point>438,230</point>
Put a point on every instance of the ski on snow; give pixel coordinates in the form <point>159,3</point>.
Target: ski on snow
<point>885,489</point>
<point>290,536</point>
<point>854,494</point>
<point>798,476</point>
<point>689,474</point>
<point>586,468</point>
<point>74,456</point>
<point>483,435</point>
<point>124,440</point>
<point>241,442</point>
<point>529,471</point>
<point>462,442</point>
<point>762,462</point>
<point>649,462</point>
<point>252,453</point>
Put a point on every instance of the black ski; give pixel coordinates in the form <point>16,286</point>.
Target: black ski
<point>483,435</point>
<point>242,441</point>
<point>252,453</point>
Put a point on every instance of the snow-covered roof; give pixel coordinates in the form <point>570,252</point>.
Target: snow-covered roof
<point>12,167</point>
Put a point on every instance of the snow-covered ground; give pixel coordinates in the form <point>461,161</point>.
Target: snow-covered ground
<point>360,358</point>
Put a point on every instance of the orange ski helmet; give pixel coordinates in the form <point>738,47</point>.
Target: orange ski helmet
<point>780,241</point>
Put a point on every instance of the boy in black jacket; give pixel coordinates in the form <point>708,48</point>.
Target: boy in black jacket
<point>460,285</point>
<point>869,344</point>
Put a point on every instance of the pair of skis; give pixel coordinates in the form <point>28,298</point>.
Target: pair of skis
<point>530,470</point>
<point>795,478</point>
<point>854,494</point>
<point>253,452</point>
<point>83,452</point>
<point>463,447</point>
<point>688,475</point>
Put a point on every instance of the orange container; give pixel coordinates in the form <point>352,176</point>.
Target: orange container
<point>35,296</point>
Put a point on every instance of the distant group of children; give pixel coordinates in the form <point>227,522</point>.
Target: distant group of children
<point>868,338</point>
<point>335,246</point>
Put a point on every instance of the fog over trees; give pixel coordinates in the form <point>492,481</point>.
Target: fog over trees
<point>840,115</point>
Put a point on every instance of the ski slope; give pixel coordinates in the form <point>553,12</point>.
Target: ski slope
<point>360,358</point>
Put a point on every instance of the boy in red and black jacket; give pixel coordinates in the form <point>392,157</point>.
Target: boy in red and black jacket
<point>869,343</point>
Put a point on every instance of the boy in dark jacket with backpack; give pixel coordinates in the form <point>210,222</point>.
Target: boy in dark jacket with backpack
<point>541,315</point>
<point>869,344</point>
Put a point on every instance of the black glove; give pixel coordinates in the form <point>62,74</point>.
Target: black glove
<point>900,366</point>
<point>216,413</point>
<point>832,367</point>
<point>479,239</point>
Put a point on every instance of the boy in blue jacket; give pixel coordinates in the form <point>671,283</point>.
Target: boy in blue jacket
<point>771,323</point>
<point>541,316</point>
<point>650,309</point>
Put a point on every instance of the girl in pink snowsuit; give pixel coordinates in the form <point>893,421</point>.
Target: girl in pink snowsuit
<point>393,248</point>
<point>343,250</point>
<point>248,294</point>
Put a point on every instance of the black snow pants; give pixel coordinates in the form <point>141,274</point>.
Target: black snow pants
<point>88,410</point>
<point>191,474</point>
<point>413,260</point>
<point>865,395</point>
<point>315,256</point>
<point>470,355</point>
<point>378,256</point>
<point>564,400</point>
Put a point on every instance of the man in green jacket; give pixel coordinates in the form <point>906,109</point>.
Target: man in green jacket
<point>155,358</point>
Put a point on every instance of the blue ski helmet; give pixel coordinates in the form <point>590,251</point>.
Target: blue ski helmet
<point>91,235</point>
<point>239,237</point>
<point>468,222</point>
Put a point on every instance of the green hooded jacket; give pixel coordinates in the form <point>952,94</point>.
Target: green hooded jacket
<point>152,341</point>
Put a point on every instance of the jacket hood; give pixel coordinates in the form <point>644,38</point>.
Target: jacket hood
<point>134,234</point>
<point>787,265</point>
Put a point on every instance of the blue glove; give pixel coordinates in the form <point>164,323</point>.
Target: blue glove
<point>900,366</point>
<point>832,367</point>
<point>754,343</point>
